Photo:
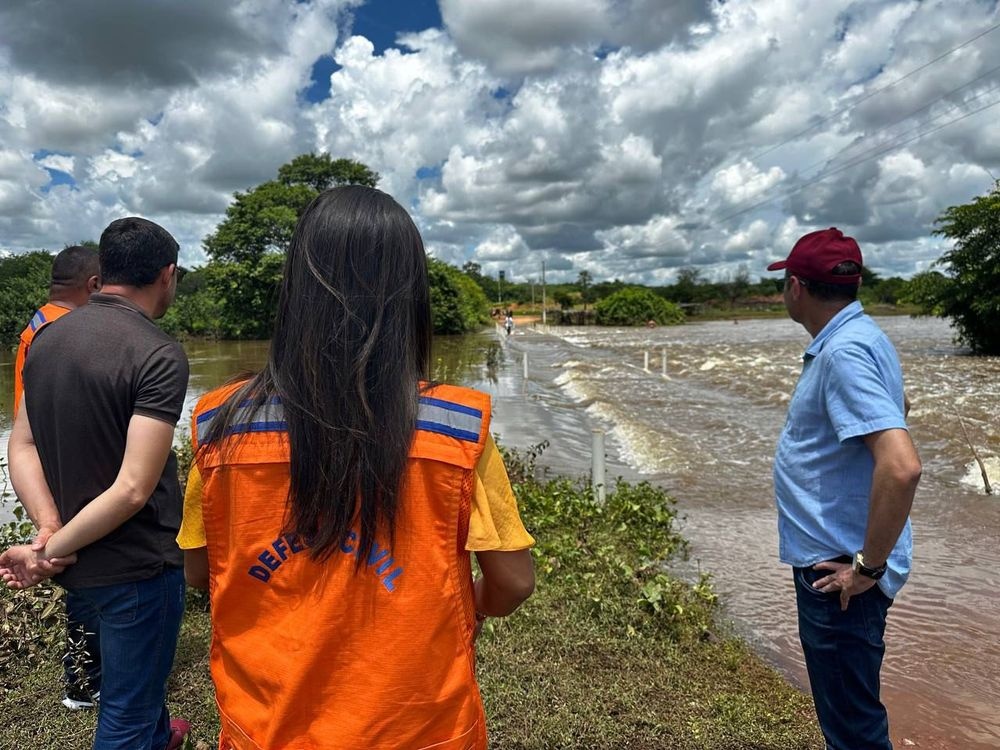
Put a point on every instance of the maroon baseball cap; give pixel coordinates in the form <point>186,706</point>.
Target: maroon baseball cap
<point>816,254</point>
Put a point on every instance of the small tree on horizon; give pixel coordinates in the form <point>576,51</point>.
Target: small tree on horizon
<point>971,296</point>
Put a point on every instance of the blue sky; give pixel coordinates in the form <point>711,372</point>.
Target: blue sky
<point>380,21</point>
<point>628,138</point>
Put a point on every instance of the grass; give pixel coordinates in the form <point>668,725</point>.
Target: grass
<point>30,690</point>
<point>610,652</point>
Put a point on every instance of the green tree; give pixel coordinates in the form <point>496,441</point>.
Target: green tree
<point>258,221</point>
<point>636,306</point>
<point>689,287</point>
<point>972,300</point>
<point>564,298</point>
<point>238,287</point>
<point>739,286</point>
<point>24,287</point>
<point>263,218</point>
<point>926,290</point>
<point>458,304</point>
<point>227,300</point>
<point>320,172</point>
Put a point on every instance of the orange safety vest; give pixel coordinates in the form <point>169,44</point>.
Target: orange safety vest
<point>42,317</point>
<point>311,655</point>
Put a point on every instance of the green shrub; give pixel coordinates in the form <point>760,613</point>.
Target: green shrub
<point>458,305</point>
<point>635,306</point>
<point>613,652</point>
<point>24,287</point>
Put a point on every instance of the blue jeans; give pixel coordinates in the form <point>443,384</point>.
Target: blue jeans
<point>139,623</point>
<point>843,652</point>
<point>82,662</point>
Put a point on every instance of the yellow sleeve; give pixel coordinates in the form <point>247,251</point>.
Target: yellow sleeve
<point>494,523</point>
<point>192,532</point>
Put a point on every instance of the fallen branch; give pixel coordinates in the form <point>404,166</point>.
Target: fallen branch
<point>975,454</point>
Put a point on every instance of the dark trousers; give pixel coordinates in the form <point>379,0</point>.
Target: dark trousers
<point>82,662</point>
<point>843,652</point>
<point>139,626</point>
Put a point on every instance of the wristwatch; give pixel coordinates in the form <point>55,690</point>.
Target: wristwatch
<point>863,570</point>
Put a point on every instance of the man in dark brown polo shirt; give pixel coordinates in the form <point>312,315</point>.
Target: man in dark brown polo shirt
<point>91,461</point>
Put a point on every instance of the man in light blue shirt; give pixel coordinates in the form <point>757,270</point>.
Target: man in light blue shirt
<point>845,474</point>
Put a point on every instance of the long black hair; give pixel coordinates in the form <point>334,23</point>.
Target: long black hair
<point>351,343</point>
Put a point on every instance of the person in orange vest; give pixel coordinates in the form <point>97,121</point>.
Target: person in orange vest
<point>76,274</point>
<point>334,502</point>
<point>92,463</point>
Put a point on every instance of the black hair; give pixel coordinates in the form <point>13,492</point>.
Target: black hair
<point>134,251</point>
<point>827,292</point>
<point>351,344</point>
<point>73,267</point>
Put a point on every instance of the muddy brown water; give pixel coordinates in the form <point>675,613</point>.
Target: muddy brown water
<point>706,432</point>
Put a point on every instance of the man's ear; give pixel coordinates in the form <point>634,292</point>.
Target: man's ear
<point>167,273</point>
<point>798,289</point>
<point>93,284</point>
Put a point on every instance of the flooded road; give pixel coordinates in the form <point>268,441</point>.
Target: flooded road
<point>706,432</point>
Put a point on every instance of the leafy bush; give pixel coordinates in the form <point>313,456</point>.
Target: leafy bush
<point>927,290</point>
<point>24,287</point>
<point>611,651</point>
<point>32,622</point>
<point>971,300</point>
<point>635,306</point>
<point>607,560</point>
<point>458,304</point>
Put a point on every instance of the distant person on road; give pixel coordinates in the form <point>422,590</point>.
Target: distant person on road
<point>76,274</point>
<point>337,498</point>
<point>91,461</point>
<point>845,474</point>
<point>508,322</point>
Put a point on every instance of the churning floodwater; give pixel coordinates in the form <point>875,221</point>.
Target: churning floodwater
<point>706,432</point>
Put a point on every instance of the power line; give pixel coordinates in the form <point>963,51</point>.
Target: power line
<point>838,170</point>
<point>829,160</point>
<point>915,112</point>
<point>869,95</point>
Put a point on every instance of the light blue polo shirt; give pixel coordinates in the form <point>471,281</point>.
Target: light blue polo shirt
<point>851,385</point>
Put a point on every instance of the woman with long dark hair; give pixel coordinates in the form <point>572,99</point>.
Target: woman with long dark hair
<point>335,501</point>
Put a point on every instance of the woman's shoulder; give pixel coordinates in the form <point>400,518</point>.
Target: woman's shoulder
<point>458,394</point>
<point>218,396</point>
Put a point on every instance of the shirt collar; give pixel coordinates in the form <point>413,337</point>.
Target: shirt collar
<point>116,300</point>
<point>852,311</point>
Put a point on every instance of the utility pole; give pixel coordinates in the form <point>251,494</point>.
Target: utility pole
<point>543,292</point>
<point>500,276</point>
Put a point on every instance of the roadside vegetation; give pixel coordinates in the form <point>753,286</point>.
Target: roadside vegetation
<point>612,651</point>
<point>635,307</point>
<point>233,295</point>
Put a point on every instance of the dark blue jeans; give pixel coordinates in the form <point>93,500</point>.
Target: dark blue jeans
<point>139,623</point>
<point>843,651</point>
<point>82,662</point>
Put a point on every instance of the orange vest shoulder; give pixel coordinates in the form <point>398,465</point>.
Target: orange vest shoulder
<point>42,317</point>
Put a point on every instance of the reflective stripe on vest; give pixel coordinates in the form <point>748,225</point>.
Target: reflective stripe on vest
<point>37,320</point>
<point>322,654</point>
<point>268,417</point>
<point>433,415</point>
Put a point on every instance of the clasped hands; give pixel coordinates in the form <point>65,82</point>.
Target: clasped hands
<point>26,565</point>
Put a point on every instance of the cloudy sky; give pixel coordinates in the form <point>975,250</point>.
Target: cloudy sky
<point>626,137</point>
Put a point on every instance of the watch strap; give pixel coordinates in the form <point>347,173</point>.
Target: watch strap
<point>865,570</point>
